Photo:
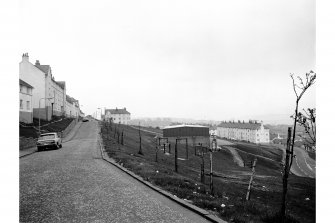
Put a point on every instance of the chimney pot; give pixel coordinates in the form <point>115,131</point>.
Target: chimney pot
<point>37,62</point>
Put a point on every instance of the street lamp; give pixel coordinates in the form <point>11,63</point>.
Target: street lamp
<point>39,118</point>
<point>100,113</point>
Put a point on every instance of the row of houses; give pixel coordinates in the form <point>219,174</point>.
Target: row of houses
<point>41,96</point>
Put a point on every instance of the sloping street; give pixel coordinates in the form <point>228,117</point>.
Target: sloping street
<point>73,184</point>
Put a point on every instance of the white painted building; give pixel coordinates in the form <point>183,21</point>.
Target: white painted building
<point>26,100</point>
<point>72,107</point>
<point>250,131</point>
<point>121,116</point>
<point>41,79</point>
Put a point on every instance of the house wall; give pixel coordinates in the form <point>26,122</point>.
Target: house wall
<point>59,101</point>
<point>36,78</point>
<point>255,136</point>
<point>118,118</point>
<point>26,113</point>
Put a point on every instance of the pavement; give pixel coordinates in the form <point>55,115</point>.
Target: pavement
<point>74,184</point>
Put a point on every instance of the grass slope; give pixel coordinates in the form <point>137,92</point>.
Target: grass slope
<point>230,184</point>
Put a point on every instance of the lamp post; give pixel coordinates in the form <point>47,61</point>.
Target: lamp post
<point>39,117</point>
<point>100,113</point>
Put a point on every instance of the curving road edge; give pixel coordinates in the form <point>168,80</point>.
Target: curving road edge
<point>191,207</point>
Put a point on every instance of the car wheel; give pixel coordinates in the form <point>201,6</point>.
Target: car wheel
<point>39,149</point>
<point>60,146</point>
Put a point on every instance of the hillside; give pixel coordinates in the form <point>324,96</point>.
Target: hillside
<point>230,180</point>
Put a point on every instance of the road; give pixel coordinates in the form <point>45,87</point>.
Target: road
<point>302,164</point>
<point>74,184</point>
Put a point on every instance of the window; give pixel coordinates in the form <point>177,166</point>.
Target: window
<point>21,104</point>
<point>21,88</point>
<point>28,105</point>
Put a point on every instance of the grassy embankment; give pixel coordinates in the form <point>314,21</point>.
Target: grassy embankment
<point>230,184</point>
<point>55,125</point>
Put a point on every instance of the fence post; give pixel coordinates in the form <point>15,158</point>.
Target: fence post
<point>176,157</point>
<point>186,149</point>
<point>289,155</point>
<point>211,169</point>
<point>251,179</point>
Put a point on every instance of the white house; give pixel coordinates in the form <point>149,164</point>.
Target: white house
<point>26,100</point>
<point>48,95</point>
<point>72,107</point>
<point>121,116</point>
<point>250,131</point>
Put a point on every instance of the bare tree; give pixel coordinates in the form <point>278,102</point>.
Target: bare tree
<point>307,120</point>
<point>300,85</point>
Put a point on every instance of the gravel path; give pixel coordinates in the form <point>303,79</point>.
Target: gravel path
<point>74,184</point>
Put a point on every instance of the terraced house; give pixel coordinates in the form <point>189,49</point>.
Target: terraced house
<point>72,107</point>
<point>49,95</point>
<point>26,99</point>
<point>250,131</point>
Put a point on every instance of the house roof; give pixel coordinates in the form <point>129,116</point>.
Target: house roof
<point>117,111</point>
<point>25,84</point>
<point>184,125</point>
<point>61,84</point>
<point>44,68</point>
<point>70,99</point>
<point>237,125</point>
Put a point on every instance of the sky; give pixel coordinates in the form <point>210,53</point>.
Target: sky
<point>215,60</point>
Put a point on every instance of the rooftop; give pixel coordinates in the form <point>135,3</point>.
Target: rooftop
<point>184,125</point>
<point>241,125</point>
<point>117,111</point>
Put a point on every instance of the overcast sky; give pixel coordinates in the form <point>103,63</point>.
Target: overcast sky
<point>216,60</point>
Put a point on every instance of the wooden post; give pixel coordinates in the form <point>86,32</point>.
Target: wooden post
<point>202,168</point>
<point>251,179</point>
<point>176,157</point>
<point>164,147</point>
<point>186,149</point>
<point>211,169</point>
<point>156,154</point>
<point>139,132</point>
<point>289,156</point>
<point>169,148</point>
<point>122,138</point>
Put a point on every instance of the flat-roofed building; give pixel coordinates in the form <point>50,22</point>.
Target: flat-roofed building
<point>195,134</point>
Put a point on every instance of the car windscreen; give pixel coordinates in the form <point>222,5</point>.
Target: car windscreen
<point>44,137</point>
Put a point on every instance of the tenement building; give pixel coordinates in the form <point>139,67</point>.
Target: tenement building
<point>251,131</point>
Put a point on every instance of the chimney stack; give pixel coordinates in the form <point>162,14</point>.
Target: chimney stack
<point>25,57</point>
<point>37,62</point>
<point>124,108</point>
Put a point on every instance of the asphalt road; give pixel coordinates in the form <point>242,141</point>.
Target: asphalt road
<point>74,184</point>
<point>302,164</point>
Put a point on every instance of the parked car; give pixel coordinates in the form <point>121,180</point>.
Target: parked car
<point>85,119</point>
<point>49,140</point>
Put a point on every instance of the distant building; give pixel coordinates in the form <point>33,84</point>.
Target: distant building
<point>41,79</point>
<point>195,134</point>
<point>26,100</point>
<point>72,107</point>
<point>250,131</point>
<point>117,115</point>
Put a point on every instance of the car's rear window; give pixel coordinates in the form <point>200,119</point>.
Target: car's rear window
<point>43,137</point>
